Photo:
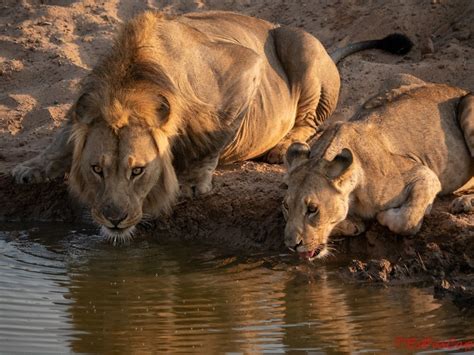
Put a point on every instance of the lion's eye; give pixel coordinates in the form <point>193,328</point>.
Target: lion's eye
<point>97,169</point>
<point>312,209</point>
<point>137,171</point>
<point>285,205</point>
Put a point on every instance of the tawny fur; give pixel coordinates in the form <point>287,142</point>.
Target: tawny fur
<point>204,88</point>
<point>179,95</point>
<point>389,162</point>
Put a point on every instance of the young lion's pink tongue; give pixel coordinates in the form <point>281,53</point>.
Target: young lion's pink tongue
<point>307,254</point>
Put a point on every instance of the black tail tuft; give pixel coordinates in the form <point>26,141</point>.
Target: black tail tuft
<point>396,43</point>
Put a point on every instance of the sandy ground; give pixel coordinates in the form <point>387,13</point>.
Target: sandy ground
<point>48,46</point>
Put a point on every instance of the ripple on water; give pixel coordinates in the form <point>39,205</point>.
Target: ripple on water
<point>64,291</point>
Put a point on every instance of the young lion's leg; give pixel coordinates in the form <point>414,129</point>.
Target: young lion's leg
<point>54,161</point>
<point>198,179</point>
<point>349,227</point>
<point>466,121</point>
<point>423,186</point>
<point>314,80</point>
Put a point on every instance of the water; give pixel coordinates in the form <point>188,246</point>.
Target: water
<point>68,291</point>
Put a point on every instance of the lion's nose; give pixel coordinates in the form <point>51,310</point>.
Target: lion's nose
<point>114,214</point>
<point>117,221</point>
<point>294,243</point>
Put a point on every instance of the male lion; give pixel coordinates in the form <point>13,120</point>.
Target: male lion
<point>390,161</point>
<point>177,95</point>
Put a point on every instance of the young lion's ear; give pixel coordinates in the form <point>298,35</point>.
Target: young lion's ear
<point>339,165</point>
<point>297,153</point>
<point>81,112</point>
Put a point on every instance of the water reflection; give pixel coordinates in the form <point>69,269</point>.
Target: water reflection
<point>63,291</point>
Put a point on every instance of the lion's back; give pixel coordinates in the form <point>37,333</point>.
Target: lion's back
<point>420,121</point>
<point>231,27</point>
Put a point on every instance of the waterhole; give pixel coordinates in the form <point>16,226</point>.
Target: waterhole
<point>63,290</point>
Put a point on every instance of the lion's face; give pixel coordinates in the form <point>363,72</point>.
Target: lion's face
<point>122,166</point>
<point>119,170</point>
<point>316,201</point>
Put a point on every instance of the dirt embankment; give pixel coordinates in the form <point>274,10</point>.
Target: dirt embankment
<point>48,46</point>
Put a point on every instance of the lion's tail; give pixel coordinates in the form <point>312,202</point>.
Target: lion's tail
<point>466,120</point>
<point>396,43</point>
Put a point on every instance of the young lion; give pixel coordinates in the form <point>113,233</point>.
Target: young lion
<point>390,161</point>
<point>178,95</point>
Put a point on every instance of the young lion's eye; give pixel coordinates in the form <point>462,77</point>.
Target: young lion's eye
<point>312,209</point>
<point>97,169</point>
<point>137,171</point>
<point>285,205</point>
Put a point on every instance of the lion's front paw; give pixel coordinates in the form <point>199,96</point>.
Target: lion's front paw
<point>29,174</point>
<point>462,204</point>
<point>396,220</point>
<point>349,228</point>
<point>276,154</point>
<point>191,191</point>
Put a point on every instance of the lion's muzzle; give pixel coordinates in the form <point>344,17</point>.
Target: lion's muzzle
<point>114,214</point>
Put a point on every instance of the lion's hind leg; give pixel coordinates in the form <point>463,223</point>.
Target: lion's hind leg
<point>423,186</point>
<point>313,77</point>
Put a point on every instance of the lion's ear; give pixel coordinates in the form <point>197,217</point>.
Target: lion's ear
<point>80,111</point>
<point>297,153</point>
<point>336,168</point>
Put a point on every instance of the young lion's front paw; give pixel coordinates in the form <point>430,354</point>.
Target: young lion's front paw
<point>349,228</point>
<point>396,220</point>
<point>28,174</point>
<point>462,204</point>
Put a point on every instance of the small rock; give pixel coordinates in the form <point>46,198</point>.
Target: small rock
<point>444,284</point>
<point>462,35</point>
<point>469,261</point>
<point>441,288</point>
<point>427,46</point>
<point>379,269</point>
<point>433,247</point>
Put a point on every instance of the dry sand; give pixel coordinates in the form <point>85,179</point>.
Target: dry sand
<point>48,46</point>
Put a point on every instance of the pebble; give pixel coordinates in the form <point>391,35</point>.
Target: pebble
<point>427,46</point>
<point>462,35</point>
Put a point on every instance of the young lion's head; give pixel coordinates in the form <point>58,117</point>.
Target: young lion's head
<point>317,198</point>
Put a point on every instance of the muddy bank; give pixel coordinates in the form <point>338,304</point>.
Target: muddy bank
<point>242,215</point>
<point>242,212</point>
